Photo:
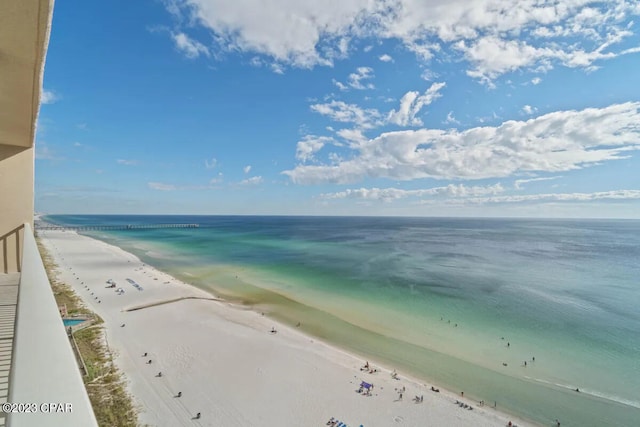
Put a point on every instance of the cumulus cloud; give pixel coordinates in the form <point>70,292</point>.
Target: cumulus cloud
<point>528,109</point>
<point>357,80</point>
<point>247,169</point>
<point>340,111</point>
<point>411,104</point>
<point>493,56</point>
<point>385,58</point>
<point>554,142</point>
<point>495,37</point>
<point>536,80</point>
<point>189,47</point>
<point>310,145</point>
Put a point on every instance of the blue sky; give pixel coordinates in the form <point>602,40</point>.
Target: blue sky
<point>350,107</point>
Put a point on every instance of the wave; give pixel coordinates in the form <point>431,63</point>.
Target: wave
<point>594,393</point>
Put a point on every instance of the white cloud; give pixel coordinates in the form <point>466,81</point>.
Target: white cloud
<point>388,194</point>
<point>309,145</point>
<point>554,142</point>
<point>254,180</point>
<point>518,182</point>
<point>561,197</point>
<point>451,119</point>
<point>161,186</point>
<point>411,104</point>
<point>126,162</point>
<point>277,68</point>
<point>210,164</point>
<point>536,80</point>
<point>348,113</point>
<point>217,180</point>
<point>352,135</point>
<point>492,56</point>
<point>340,85</point>
<point>189,47</point>
<point>247,169</point>
<point>48,96</point>
<point>528,109</point>
<point>428,75</point>
<point>494,36</point>
<point>43,152</point>
<point>385,58</point>
<point>357,80</point>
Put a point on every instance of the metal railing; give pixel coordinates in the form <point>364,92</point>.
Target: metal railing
<point>9,257</point>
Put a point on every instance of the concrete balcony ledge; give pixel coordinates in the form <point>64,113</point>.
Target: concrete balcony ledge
<point>44,370</point>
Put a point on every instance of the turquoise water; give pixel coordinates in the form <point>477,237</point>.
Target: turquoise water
<point>450,300</point>
<point>72,322</point>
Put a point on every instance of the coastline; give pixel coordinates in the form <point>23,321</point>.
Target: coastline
<point>229,366</point>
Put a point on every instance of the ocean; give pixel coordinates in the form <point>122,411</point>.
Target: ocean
<point>520,313</point>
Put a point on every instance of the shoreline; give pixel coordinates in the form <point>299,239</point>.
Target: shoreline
<point>310,380</point>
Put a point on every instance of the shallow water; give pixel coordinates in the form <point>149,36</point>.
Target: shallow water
<point>451,300</point>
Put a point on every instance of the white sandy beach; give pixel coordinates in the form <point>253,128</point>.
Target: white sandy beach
<point>226,362</point>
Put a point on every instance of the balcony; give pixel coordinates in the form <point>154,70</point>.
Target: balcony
<point>37,364</point>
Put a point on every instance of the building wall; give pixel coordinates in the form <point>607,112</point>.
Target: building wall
<point>16,201</point>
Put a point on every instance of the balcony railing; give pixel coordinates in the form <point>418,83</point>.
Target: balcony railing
<point>44,372</point>
<point>10,249</point>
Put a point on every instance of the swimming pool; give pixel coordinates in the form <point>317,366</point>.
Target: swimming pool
<point>72,322</point>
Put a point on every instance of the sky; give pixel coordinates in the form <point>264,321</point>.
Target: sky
<point>342,107</point>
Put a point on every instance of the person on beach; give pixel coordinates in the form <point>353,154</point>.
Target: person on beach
<point>144,355</point>
<point>179,394</point>
<point>159,374</point>
<point>198,416</point>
